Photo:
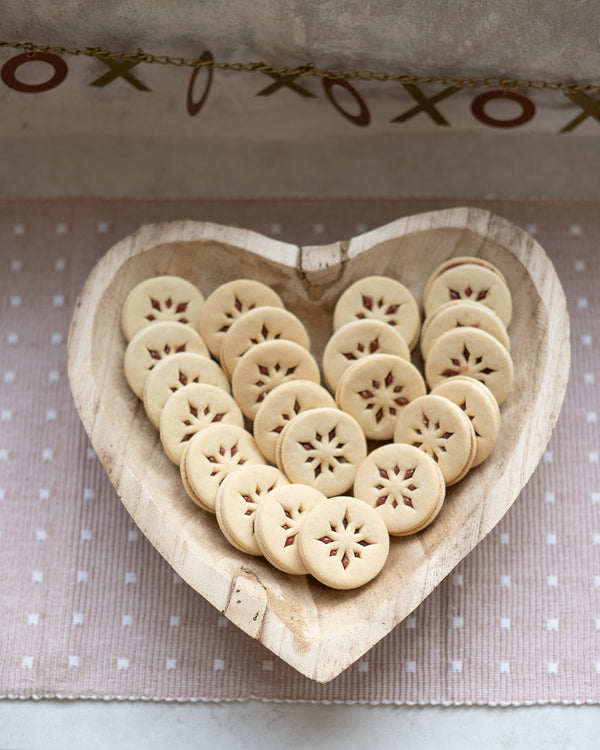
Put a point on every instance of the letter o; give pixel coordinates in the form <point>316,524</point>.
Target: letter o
<point>194,107</point>
<point>11,66</point>
<point>363,118</point>
<point>478,109</point>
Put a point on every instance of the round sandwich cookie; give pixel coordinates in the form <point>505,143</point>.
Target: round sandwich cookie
<point>227,303</point>
<point>266,366</point>
<point>471,352</point>
<point>356,340</point>
<point>443,431</point>
<point>322,448</point>
<point>159,299</point>
<point>175,372</point>
<point>154,343</point>
<point>191,409</point>
<point>211,455</point>
<point>460,314</point>
<point>478,403</point>
<point>375,389</point>
<point>343,542</point>
<point>277,522</point>
<point>254,327</point>
<point>404,485</point>
<point>461,260</point>
<point>281,405</point>
<point>239,497</point>
<point>380,298</point>
<point>472,282</point>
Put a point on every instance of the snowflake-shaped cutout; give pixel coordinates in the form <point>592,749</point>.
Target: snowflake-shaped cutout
<point>325,453</point>
<point>158,354</point>
<point>468,364</point>
<point>271,377</point>
<point>362,349</point>
<point>234,312</point>
<point>293,518</point>
<point>383,397</point>
<point>182,379</point>
<point>395,486</point>
<point>167,310</point>
<point>431,438</point>
<point>198,418</point>
<point>225,460</point>
<point>345,541</point>
<point>468,293</point>
<point>252,498</point>
<point>287,417</point>
<point>378,309</point>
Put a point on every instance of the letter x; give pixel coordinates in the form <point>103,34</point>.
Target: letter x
<point>425,104</point>
<point>281,81</point>
<point>590,107</point>
<point>119,69</point>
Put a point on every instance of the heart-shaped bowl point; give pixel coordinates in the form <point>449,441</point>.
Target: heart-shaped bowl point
<point>317,630</point>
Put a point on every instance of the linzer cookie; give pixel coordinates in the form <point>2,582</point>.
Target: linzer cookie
<point>175,372</point>
<point>458,314</point>
<point>375,389</point>
<point>227,303</point>
<point>441,429</point>
<point>478,403</point>
<point>322,448</point>
<point>380,298</point>
<point>191,409</point>
<point>461,260</point>
<point>277,522</point>
<point>356,340</point>
<point>256,326</point>
<point>281,405</point>
<point>161,298</point>
<point>404,485</point>
<point>210,456</point>
<point>154,343</point>
<point>238,498</point>
<point>472,282</point>
<point>343,542</point>
<point>472,352</point>
<point>267,365</point>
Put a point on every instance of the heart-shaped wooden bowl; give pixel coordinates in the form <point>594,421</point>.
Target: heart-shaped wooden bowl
<point>317,630</point>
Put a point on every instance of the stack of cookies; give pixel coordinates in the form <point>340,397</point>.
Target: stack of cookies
<point>316,479</point>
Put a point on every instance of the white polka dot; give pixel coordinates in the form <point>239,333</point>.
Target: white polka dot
<point>504,667</point>
<point>51,415</point>
<point>177,579</point>
<point>27,662</point>
<point>47,454</point>
<point>458,579</point>
<point>505,580</point>
<point>267,665</point>
<point>78,618</point>
<point>410,667</point>
<point>15,302</point>
<point>582,303</point>
<point>504,538</point>
<point>19,229</point>
<point>598,623</point>
<point>16,265</point>
<point>126,621</point>
<point>82,576</point>
<point>552,667</point>
<point>33,618</point>
<point>3,454</point>
<point>532,228</point>
<point>456,666</point>
<point>575,229</point>
<point>595,538</point>
<point>132,535</point>
<point>457,623</point>
<point>41,535</point>
<point>122,663</point>
<point>548,457</point>
<point>218,665</point>
<point>593,457</point>
<point>505,623</point>
<point>222,622</point>
<point>2,494</point>
<point>597,666</point>
<point>175,621</point>
<point>9,376</point>
<point>597,581</point>
<point>56,338</point>
<point>579,265</point>
<point>37,576</point>
<point>58,300</point>
<point>588,378</point>
<point>410,623</point>
<point>102,226</point>
<point>591,417</point>
<point>360,228</point>
<point>62,228</point>
<point>12,338</point>
<point>595,497</point>
<point>275,228</point>
<point>550,538</point>
<point>586,339</point>
<point>551,623</point>
<point>89,493</point>
<point>549,497</point>
<point>171,664</point>
<point>44,494</point>
<point>552,581</point>
<point>60,264</point>
<point>86,535</point>
<point>130,577</point>
<point>6,415</point>
<point>73,662</point>
<point>318,228</point>
<point>53,376</point>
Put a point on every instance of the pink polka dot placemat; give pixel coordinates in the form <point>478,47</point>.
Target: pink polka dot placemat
<point>88,609</point>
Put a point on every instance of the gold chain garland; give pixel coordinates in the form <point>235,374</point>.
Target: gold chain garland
<point>309,69</point>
